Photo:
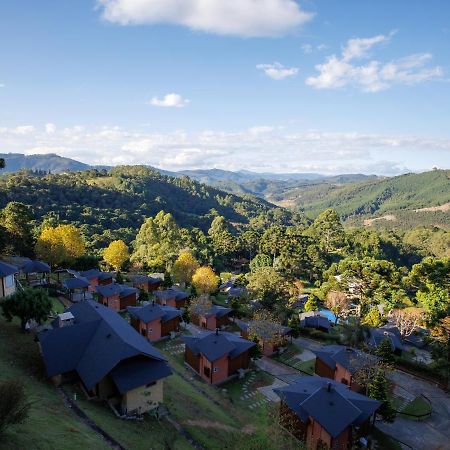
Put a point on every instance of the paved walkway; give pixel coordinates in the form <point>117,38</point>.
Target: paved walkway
<point>432,433</point>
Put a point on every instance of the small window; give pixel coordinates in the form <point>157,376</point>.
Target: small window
<point>216,369</point>
<point>150,330</point>
<point>143,332</point>
<point>9,281</point>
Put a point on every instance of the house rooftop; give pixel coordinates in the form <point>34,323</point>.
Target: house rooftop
<point>244,326</point>
<point>378,335</point>
<point>153,311</point>
<point>218,311</point>
<point>110,290</point>
<point>76,283</point>
<point>36,267</point>
<point>170,293</point>
<point>7,269</point>
<point>349,358</point>
<point>214,344</point>
<point>95,273</point>
<point>138,279</point>
<point>101,342</point>
<point>333,405</point>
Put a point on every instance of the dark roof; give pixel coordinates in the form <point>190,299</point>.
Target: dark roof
<point>95,273</point>
<point>244,327</point>
<point>213,345</point>
<point>98,341</point>
<point>76,283</point>
<point>137,372</point>
<point>349,358</point>
<point>316,322</point>
<point>109,290</point>
<point>151,312</point>
<point>218,311</point>
<point>237,291</point>
<point>36,267</point>
<point>378,335</point>
<point>139,279</point>
<point>7,269</point>
<point>170,293</point>
<point>333,405</point>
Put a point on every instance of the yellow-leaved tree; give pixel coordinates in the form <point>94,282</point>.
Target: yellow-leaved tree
<point>59,245</point>
<point>205,281</point>
<point>184,268</point>
<point>116,254</point>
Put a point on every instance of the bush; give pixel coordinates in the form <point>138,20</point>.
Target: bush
<point>14,407</point>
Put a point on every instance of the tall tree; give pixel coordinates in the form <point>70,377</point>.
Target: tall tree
<point>327,228</point>
<point>339,303</point>
<point>61,245</point>
<point>379,390</point>
<point>205,281</point>
<point>16,219</point>
<point>223,242</point>
<point>184,267</point>
<point>116,254</point>
<point>158,242</point>
<point>435,301</point>
<point>407,319</point>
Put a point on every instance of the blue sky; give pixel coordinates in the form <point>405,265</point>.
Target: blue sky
<point>264,85</point>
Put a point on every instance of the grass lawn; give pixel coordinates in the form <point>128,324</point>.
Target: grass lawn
<point>288,357</point>
<point>418,407</point>
<point>51,425</point>
<point>57,306</point>
<point>383,441</point>
<point>227,421</point>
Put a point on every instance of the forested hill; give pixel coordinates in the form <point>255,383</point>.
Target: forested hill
<point>48,162</point>
<point>406,200</point>
<point>118,200</point>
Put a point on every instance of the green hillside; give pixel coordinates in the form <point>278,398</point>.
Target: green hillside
<point>398,197</point>
<point>118,200</point>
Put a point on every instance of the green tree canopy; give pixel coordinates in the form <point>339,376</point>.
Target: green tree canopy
<point>27,304</point>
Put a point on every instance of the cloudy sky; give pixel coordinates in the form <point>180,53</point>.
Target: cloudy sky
<point>263,85</point>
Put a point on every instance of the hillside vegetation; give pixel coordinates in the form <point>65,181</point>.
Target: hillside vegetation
<point>117,201</point>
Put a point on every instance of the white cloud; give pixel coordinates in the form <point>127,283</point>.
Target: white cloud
<point>277,71</point>
<point>247,18</point>
<point>373,76</point>
<point>50,128</point>
<point>170,101</point>
<point>259,148</point>
<point>307,49</point>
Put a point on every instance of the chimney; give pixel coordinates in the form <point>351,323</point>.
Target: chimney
<point>153,302</point>
<point>217,332</point>
<point>328,387</point>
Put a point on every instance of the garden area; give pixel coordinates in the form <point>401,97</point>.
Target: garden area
<point>292,357</point>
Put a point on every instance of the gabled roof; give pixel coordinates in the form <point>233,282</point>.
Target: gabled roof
<point>170,293</point>
<point>95,273</point>
<point>316,322</point>
<point>153,311</point>
<point>36,267</point>
<point>237,291</point>
<point>110,290</point>
<point>97,342</point>
<point>218,311</point>
<point>7,269</point>
<point>349,358</point>
<point>76,283</point>
<point>213,345</point>
<point>333,405</point>
<point>139,279</point>
<point>378,335</point>
<point>245,325</point>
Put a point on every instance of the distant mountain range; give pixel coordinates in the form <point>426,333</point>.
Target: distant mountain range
<point>403,201</point>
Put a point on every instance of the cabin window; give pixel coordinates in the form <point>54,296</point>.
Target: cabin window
<point>150,330</point>
<point>216,369</point>
<point>143,331</point>
<point>9,281</point>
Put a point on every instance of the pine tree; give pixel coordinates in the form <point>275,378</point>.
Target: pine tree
<point>379,390</point>
<point>385,352</point>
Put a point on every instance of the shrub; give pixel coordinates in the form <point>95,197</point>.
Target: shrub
<point>14,407</point>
